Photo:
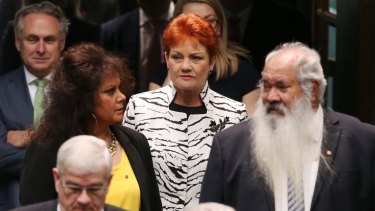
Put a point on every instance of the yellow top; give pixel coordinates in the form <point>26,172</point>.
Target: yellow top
<point>124,191</point>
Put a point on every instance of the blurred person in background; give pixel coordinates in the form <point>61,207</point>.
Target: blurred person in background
<point>260,25</point>
<point>138,34</point>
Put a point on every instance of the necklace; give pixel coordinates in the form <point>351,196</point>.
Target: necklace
<point>112,146</point>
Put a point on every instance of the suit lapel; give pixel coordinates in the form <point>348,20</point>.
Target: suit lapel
<point>269,198</point>
<point>329,147</point>
<point>19,96</point>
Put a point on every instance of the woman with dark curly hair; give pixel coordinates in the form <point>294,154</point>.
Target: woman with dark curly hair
<point>86,96</point>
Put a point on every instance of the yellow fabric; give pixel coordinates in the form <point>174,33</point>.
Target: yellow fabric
<point>124,191</point>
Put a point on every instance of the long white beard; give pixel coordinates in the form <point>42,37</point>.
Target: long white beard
<point>283,143</point>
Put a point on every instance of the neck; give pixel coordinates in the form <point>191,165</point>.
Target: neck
<point>102,133</point>
<point>188,99</point>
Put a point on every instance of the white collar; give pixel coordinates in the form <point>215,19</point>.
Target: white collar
<point>30,78</point>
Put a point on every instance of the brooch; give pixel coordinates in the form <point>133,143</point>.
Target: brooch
<point>218,127</point>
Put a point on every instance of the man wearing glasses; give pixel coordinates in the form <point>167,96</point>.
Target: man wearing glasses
<point>82,177</point>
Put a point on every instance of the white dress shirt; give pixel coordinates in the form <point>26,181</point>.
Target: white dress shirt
<point>310,172</point>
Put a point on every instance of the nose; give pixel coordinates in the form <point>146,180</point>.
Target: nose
<point>271,95</point>
<point>186,65</point>
<point>121,97</point>
<point>83,198</point>
<point>41,48</point>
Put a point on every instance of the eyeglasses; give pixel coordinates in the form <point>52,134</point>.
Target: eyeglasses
<point>213,22</point>
<point>76,190</point>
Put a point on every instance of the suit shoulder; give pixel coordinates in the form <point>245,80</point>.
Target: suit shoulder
<point>351,124</point>
<point>116,23</point>
<point>128,131</point>
<point>13,73</point>
<point>47,206</point>
<point>237,133</point>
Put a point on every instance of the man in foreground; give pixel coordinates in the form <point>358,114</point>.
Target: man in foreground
<point>293,154</point>
<point>82,177</point>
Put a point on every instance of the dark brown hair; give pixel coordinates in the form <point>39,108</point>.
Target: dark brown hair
<point>72,89</point>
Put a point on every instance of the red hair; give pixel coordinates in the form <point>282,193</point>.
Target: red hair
<point>192,27</point>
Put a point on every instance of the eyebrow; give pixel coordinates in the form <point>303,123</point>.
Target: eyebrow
<point>90,185</point>
<point>210,16</point>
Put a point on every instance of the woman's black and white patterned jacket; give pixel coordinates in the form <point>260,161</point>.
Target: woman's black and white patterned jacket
<point>180,145</point>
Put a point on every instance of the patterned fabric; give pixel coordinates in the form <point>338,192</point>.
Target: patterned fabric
<point>180,146</point>
<point>295,198</point>
<point>38,101</point>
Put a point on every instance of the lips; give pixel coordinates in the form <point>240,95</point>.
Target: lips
<point>186,77</point>
<point>119,110</point>
<point>40,59</point>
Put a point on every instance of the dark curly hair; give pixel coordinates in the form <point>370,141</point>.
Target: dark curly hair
<point>71,91</point>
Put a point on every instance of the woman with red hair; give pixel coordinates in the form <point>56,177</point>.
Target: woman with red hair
<point>180,120</point>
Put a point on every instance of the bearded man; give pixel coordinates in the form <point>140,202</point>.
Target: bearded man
<point>293,154</point>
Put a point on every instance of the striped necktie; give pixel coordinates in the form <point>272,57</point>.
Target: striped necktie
<point>38,100</point>
<point>295,198</point>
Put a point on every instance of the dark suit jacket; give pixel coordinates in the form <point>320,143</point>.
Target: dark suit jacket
<point>16,113</point>
<point>230,177</point>
<point>122,34</point>
<point>37,172</point>
<point>270,24</point>
<point>52,206</point>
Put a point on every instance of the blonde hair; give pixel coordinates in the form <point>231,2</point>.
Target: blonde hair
<point>227,58</point>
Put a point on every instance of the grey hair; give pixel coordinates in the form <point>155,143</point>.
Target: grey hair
<point>210,206</point>
<point>308,67</point>
<point>84,154</point>
<point>45,8</point>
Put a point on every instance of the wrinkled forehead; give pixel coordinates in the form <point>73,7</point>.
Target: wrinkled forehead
<point>280,67</point>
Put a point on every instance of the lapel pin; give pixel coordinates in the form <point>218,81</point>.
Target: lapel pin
<point>329,152</point>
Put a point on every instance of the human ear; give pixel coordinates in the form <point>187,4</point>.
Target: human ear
<point>56,178</point>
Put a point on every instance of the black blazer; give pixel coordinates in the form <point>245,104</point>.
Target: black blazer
<point>16,113</point>
<point>52,206</point>
<point>37,172</point>
<point>230,178</point>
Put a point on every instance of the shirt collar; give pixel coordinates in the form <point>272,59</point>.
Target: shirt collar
<point>59,209</point>
<point>318,119</point>
<point>143,18</point>
<point>30,78</point>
